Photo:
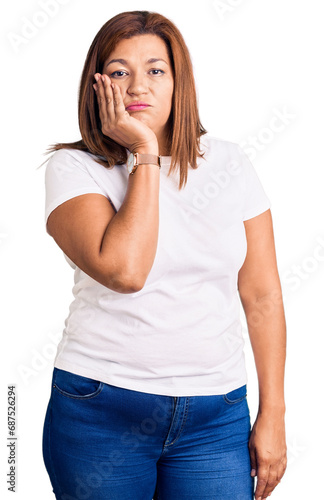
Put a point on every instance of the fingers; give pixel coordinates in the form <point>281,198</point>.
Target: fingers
<point>263,475</point>
<point>253,462</point>
<point>118,101</point>
<point>271,483</point>
<point>275,475</point>
<point>268,478</point>
<point>105,99</point>
<point>110,103</point>
<point>108,95</point>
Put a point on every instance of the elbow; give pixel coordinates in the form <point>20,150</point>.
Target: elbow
<point>121,276</point>
<point>112,274</point>
<point>123,283</point>
<point>132,287</point>
<point>133,284</point>
<point>131,280</point>
<point>265,300</point>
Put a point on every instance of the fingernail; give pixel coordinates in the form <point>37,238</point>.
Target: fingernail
<point>97,78</point>
<point>95,86</point>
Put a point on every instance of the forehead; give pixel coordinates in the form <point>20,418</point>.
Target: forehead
<point>141,46</point>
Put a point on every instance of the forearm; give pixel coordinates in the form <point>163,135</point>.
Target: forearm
<point>130,241</point>
<point>267,330</point>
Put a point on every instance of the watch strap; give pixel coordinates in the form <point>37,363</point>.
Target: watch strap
<point>144,159</point>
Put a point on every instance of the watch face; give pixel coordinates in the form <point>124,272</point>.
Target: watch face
<point>130,163</point>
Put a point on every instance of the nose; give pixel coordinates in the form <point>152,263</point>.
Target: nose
<point>137,84</point>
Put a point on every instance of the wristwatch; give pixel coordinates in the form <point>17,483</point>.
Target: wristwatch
<point>141,159</point>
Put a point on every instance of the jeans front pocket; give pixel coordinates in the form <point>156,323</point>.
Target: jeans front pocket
<point>75,386</point>
<point>236,395</point>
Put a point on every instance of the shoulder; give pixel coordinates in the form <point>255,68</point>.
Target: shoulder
<point>71,155</point>
<point>218,147</point>
<point>227,158</point>
<point>68,160</point>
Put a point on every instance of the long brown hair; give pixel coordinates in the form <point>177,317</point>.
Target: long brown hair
<point>185,127</point>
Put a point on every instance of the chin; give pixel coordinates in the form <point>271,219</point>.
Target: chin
<point>142,118</point>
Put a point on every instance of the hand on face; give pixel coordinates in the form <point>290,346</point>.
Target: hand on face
<point>116,122</point>
<point>137,71</point>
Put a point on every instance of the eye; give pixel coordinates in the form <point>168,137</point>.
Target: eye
<point>157,71</point>
<point>117,74</point>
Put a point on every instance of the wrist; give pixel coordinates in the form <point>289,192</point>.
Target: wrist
<point>150,148</point>
<point>276,408</point>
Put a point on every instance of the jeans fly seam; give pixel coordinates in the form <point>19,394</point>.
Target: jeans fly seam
<point>183,422</point>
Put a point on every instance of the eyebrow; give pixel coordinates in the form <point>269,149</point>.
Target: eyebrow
<point>124,62</point>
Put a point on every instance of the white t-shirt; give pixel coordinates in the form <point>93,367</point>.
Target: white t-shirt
<point>181,334</point>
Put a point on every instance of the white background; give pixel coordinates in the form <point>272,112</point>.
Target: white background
<point>257,59</point>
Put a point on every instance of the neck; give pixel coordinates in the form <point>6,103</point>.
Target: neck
<point>164,149</point>
<point>164,142</point>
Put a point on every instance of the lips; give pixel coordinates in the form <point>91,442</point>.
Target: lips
<point>137,106</point>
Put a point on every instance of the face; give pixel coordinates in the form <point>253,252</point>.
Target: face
<point>142,68</point>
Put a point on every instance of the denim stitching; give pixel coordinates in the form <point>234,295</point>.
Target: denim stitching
<point>232,402</point>
<point>57,489</point>
<point>87,396</point>
<point>183,422</point>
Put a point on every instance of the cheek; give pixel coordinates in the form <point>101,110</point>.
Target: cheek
<point>166,99</point>
<point>123,93</point>
<point>170,95</point>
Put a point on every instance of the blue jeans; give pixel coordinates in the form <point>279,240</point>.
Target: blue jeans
<point>102,442</point>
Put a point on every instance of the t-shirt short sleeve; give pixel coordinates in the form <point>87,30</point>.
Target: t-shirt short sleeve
<point>66,177</point>
<point>255,200</point>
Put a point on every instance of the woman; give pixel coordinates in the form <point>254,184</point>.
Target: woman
<point>163,224</point>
